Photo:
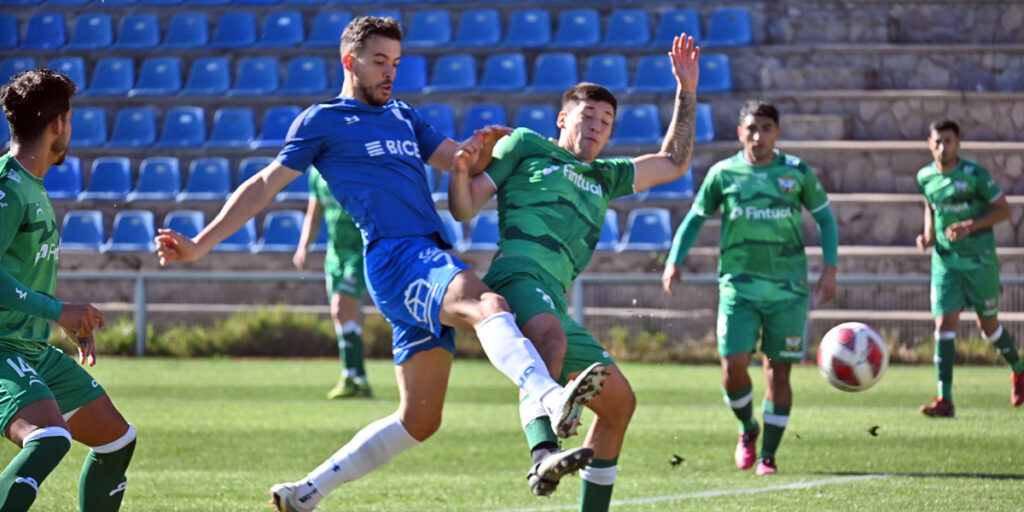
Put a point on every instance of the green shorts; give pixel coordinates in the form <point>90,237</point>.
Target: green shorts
<point>49,374</point>
<point>779,324</point>
<point>344,273</point>
<point>530,291</point>
<point>954,289</point>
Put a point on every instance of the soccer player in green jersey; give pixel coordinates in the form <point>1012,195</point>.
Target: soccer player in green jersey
<point>552,198</point>
<point>46,400</point>
<point>343,269</point>
<point>961,205</point>
<point>762,270</point>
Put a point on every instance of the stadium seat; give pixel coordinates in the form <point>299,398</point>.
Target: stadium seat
<point>189,29</point>
<point>295,190</point>
<point>73,68</point>
<point>654,74</point>
<point>45,31</point>
<point>113,76</point>
<point>528,28</point>
<point>160,2</point>
<point>5,130</point>
<point>82,230</point>
<point>305,75</point>
<point>453,72</point>
<point>647,229</point>
<point>233,127</point>
<point>186,222</point>
<point>730,27</point>
<point>677,21</point>
<point>637,124</point>
<point>8,31</point>
<point>715,73</point>
<point>539,118</point>
<point>440,116</point>
<point>92,30</point>
<point>158,76</point>
<point>109,179</point>
<point>235,29</point>
<point>478,27</point>
<point>411,75</point>
<point>282,28</point>
<point>554,72</point>
<point>705,130</point>
<point>208,178</point>
<point>276,121</point>
<point>138,31</point>
<point>429,28</point>
<point>88,127</point>
<point>13,65</point>
<point>327,28</point>
<point>256,76</point>
<point>64,181</point>
<point>627,28</point>
<point>159,179</point>
<point>208,76</point>
<point>504,72</point>
<point>281,231</point>
<point>207,2</point>
<point>133,231</point>
<point>48,2</point>
<point>681,188</point>
<point>251,165</point>
<point>609,70</point>
<point>242,240</point>
<point>578,28</point>
<point>456,231</point>
<point>135,127</point>
<point>481,115</point>
<point>338,79</point>
<point>483,232</point>
<point>609,232</point>
<point>184,127</point>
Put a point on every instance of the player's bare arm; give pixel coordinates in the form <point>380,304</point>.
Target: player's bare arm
<point>826,284</point>
<point>672,274</point>
<point>999,212</point>
<point>468,193</point>
<point>310,230</point>
<point>489,135</point>
<point>925,239</point>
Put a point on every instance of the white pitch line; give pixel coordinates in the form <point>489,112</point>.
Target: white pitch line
<point>711,494</point>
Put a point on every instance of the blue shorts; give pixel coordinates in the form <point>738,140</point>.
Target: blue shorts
<point>407,278</point>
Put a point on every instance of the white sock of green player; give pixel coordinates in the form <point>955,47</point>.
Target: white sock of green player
<point>515,356</point>
<point>1002,340</point>
<point>598,481</point>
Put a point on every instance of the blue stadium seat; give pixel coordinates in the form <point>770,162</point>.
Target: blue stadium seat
<point>681,188</point>
<point>440,116</point>
<point>478,27</point>
<point>208,76</point>
<point>628,28</point>
<point>276,121</point>
<point>184,127</point>
<point>338,79</point>
<point>539,118</point>
<point>242,240</point>
<point>281,230</point>
<point>578,28</point>
<point>647,229</point>
<point>92,30</point>
<point>411,75</point>
<point>208,178</point>
<point>453,72</point>
<point>235,29</point>
<point>295,190</point>
<point>256,76</point>
<point>233,127</point>
<point>609,232</point>
<point>88,127</point>
<point>186,222</point>
<point>483,232</point>
<point>160,2</point>
<point>189,29</point>
<point>109,179</point>
<point>554,72</point>
<point>609,70</point>
<point>251,165</point>
<point>159,76</point>
<point>327,28</point>
<point>82,230</point>
<point>429,28</point>
<point>138,31</point>
<point>159,179</point>
<point>64,181</point>
<point>11,66</point>
<point>715,73</point>
<point>456,231</point>
<point>705,130</point>
<point>256,2</point>
<point>528,28</point>
<point>677,21</point>
<point>480,115</point>
<point>637,124</point>
<point>73,68</point>
<point>133,231</point>
<point>112,75</point>
<point>135,127</point>
<point>654,74</point>
<point>504,72</point>
<point>730,27</point>
<point>45,31</point>
<point>282,28</point>
<point>305,75</point>
<point>8,31</point>
<point>207,2</point>
<point>5,130</point>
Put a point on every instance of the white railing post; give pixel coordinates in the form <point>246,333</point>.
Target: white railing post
<point>140,315</point>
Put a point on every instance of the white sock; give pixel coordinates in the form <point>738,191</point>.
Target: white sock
<point>599,476</point>
<point>515,356</point>
<point>529,410</point>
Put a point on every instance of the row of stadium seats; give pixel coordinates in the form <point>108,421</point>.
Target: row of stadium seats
<point>258,3</point>
<point>303,75</point>
<point>526,28</point>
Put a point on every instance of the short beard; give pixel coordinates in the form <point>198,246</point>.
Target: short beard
<point>370,99</point>
<point>60,151</point>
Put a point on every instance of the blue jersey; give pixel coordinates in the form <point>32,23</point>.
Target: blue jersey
<point>372,160</point>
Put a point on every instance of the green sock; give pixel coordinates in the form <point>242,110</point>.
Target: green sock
<point>1006,347</point>
<point>598,480</point>
<point>102,484</point>
<point>776,417</point>
<point>945,356</point>
<point>20,480</point>
<point>539,431</point>
<point>742,404</point>
<point>350,350</point>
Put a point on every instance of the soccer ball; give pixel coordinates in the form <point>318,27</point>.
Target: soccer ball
<point>852,356</point>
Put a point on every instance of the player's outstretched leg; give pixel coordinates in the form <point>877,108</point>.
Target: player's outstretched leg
<point>574,397</point>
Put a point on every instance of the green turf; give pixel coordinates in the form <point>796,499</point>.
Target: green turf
<point>215,434</point>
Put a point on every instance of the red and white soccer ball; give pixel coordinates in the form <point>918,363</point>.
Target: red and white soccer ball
<point>853,356</point>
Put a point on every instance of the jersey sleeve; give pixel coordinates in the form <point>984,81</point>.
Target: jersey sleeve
<point>709,196</point>
<point>305,140</point>
<point>12,214</point>
<point>427,136</point>
<point>505,157</point>
<point>812,194</point>
<point>623,173</point>
<point>988,189</point>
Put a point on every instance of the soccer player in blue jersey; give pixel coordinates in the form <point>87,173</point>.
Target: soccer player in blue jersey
<point>370,149</point>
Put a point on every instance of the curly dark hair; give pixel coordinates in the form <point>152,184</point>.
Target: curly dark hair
<point>34,98</point>
<point>360,29</point>
<point>587,91</point>
<point>759,108</point>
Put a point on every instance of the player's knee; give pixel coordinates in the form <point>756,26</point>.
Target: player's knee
<point>491,304</point>
<point>422,428</point>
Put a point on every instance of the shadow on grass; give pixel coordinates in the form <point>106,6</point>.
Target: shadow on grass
<point>980,476</point>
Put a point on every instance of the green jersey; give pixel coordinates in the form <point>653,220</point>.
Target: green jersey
<point>762,242</point>
<point>964,193</point>
<point>344,237</point>
<point>551,206</point>
<point>29,246</point>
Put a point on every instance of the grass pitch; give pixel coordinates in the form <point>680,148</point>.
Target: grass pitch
<point>215,434</point>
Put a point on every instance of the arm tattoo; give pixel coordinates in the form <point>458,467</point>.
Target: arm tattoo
<point>678,145</point>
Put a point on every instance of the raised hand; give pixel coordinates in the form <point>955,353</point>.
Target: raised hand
<point>684,55</point>
<point>173,246</point>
